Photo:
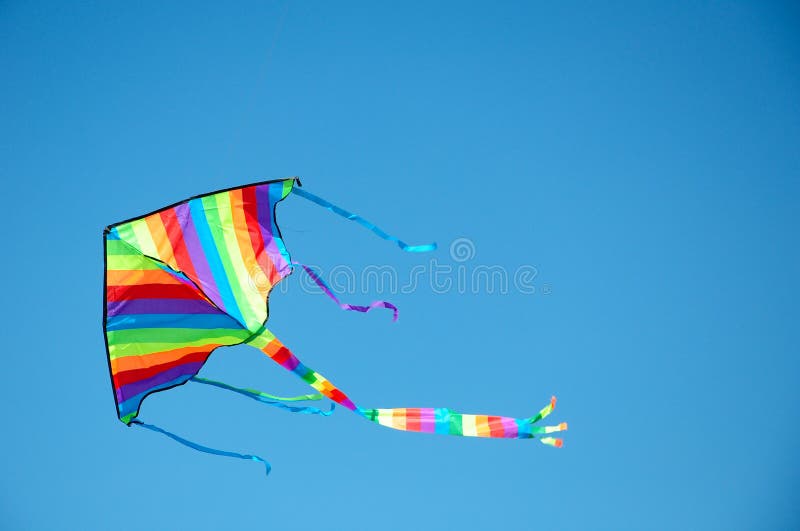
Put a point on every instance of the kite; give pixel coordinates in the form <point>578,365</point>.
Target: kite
<point>196,275</point>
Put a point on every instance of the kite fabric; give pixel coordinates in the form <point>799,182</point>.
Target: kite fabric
<point>196,275</point>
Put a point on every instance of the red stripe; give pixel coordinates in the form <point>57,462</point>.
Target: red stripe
<point>496,428</point>
<point>413,419</point>
<point>127,377</point>
<point>281,355</point>
<point>250,208</point>
<point>152,291</point>
<point>337,396</point>
<point>175,235</point>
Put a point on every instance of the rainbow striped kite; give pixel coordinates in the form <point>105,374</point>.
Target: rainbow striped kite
<point>196,275</point>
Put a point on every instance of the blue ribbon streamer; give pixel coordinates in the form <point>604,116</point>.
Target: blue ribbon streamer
<point>201,448</point>
<point>306,410</point>
<point>363,222</point>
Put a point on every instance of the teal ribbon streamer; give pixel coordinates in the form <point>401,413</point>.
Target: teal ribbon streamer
<point>273,401</point>
<point>201,448</point>
<point>363,222</point>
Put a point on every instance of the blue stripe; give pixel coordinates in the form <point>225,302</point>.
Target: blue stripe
<point>441,417</point>
<point>113,234</point>
<point>276,195</point>
<point>132,404</point>
<point>523,429</point>
<point>171,320</point>
<point>214,262</point>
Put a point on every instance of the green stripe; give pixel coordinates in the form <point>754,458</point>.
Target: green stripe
<point>115,247</point>
<point>287,187</point>
<point>119,262</point>
<point>456,427</point>
<point>145,335</point>
<point>127,235</point>
<point>175,335</point>
<point>123,350</point>
<point>211,211</point>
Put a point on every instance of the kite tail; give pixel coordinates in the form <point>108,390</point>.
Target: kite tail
<point>363,222</point>
<point>449,422</point>
<point>344,306</point>
<point>201,448</point>
<point>430,420</point>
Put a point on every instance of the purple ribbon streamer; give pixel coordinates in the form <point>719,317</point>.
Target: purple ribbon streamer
<point>343,305</point>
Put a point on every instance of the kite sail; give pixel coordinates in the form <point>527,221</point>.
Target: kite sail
<point>194,276</point>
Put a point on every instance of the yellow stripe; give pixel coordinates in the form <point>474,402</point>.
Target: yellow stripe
<point>159,233</point>
<point>468,426</point>
<point>142,231</point>
<point>253,307</point>
<point>257,280</point>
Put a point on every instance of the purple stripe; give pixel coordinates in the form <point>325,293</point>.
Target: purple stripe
<point>291,362</point>
<point>510,430</point>
<point>348,404</point>
<point>174,306</point>
<point>205,280</point>
<point>427,420</point>
<point>132,389</point>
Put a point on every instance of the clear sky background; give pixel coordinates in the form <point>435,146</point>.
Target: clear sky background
<point>642,157</point>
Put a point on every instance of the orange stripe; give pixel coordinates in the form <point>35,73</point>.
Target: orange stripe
<point>136,276</point>
<point>129,363</point>
<point>250,208</point>
<point>482,426</point>
<point>272,348</point>
<point>254,269</point>
<point>399,418</point>
<point>159,234</point>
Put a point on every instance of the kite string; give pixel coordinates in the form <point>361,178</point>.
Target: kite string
<point>262,79</point>
<point>344,306</point>
<point>363,222</point>
<point>201,448</point>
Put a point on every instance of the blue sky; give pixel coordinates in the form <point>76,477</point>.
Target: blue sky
<point>642,158</point>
